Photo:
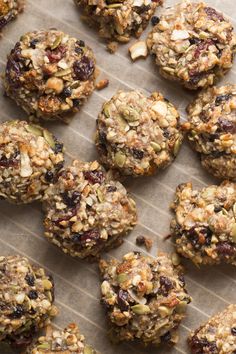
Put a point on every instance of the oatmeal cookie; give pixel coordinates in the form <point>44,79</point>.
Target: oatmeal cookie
<point>145,298</point>
<point>26,298</point>
<point>66,341</point>
<point>50,74</point>
<point>204,226</point>
<point>30,158</point>
<point>138,135</point>
<point>118,19</point>
<point>217,336</point>
<point>193,44</point>
<point>86,211</point>
<point>9,9</point>
<point>211,129</point>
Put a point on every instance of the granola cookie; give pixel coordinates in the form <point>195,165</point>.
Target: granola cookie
<point>30,158</point>
<point>50,74</point>
<point>9,9</point>
<point>86,211</point>
<point>211,129</point>
<point>193,44</point>
<point>204,226</point>
<point>26,298</point>
<point>217,336</point>
<point>118,19</point>
<point>145,298</point>
<point>138,135</point>
<point>66,341</point>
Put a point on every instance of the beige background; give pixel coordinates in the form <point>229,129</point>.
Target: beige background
<point>77,282</point>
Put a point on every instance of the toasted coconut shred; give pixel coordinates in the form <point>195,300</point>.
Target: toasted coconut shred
<point>145,298</point>
<point>9,9</point>
<point>66,341</point>
<point>26,297</point>
<point>211,130</point>
<point>138,135</point>
<point>193,44</point>
<point>119,19</point>
<point>204,226</point>
<point>218,335</point>
<point>86,211</point>
<point>50,74</point>
<point>30,158</point>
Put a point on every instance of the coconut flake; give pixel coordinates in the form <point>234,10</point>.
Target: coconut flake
<point>160,108</point>
<point>138,50</point>
<point>179,34</point>
<point>26,169</point>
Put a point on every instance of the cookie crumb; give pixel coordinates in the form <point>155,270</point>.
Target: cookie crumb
<point>144,241</point>
<point>112,47</point>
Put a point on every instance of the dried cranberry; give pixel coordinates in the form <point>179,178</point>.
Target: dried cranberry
<point>155,20</point>
<point>33,295</point>
<point>165,286</point>
<point>18,312</point>
<point>83,68</point>
<point>227,126</point>
<point>202,47</point>
<point>111,189</point>
<point>233,331</point>
<point>29,278</point>
<point>122,300</point>
<point>71,200</point>
<point>213,14</point>
<point>9,162</point>
<point>225,249</point>
<point>138,154</point>
<point>49,176</point>
<point>166,337</point>
<point>86,237</point>
<point>221,98</point>
<point>94,176</point>
<point>57,54</point>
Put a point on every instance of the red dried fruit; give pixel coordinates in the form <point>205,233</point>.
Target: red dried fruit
<point>94,176</point>
<point>56,55</point>
<point>83,68</point>
<point>212,14</point>
<point>226,249</point>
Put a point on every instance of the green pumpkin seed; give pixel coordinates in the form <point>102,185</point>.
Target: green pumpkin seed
<point>234,232</point>
<point>44,346</point>
<point>63,73</point>
<point>164,311</point>
<point>57,42</point>
<point>121,277</point>
<point>181,307</point>
<point>100,196</point>
<point>120,159</point>
<point>140,309</point>
<point>88,350</point>
<point>106,110</point>
<point>34,129</point>
<point>113,6</point>
<point>49,138</point>
<point>156,147</point>
<point>129,114</point>
<point>176,147</point>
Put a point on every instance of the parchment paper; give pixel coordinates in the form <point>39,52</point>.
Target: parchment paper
<point>21,231</point>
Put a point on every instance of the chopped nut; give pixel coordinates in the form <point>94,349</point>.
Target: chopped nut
<point>102,84</point>
<point>138,50</point>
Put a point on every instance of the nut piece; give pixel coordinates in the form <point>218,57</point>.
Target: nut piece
<point>211,129</point>
<point>204,224</point>
<point>86,211</point>
<point>193,44</point>
<point>30,159</point>
<point>118,20</point>
<point>138,135</point>
<point>64,341</point>
<point>50,74</point>
<point>144,297</point>
<point>102,84</point>
<point>26,305</point>
<point>218,335</point>
<point>138,50</point>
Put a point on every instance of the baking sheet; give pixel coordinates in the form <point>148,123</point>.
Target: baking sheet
<point>77,282</point>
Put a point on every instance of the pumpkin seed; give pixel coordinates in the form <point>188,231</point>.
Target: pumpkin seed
<point>63,72</point>
<point>88,350</point>
<point>121,277</point>
<point>181,307</point>
<point>120,159</point>
<point>47,284</point>
<point>176,147</point>
<point>113,6</point>
<point>106,110</point>
<point>35,129</point>
<point>129,114</point>
<point>100,196</point>
<point>156,147</point>
<point>141,309</point>
<point>175,259</point>
<point>234,232</point>
<point>44,346</point>
<point>164,311</point>
<point>56,42</point>
<point>49,138</point>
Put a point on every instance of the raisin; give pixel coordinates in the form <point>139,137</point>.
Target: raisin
<point>81,43</point>
<point>142,9</point>
<point>86,237</point>
<point>122,298</point>
<point>66,92</point>
<point>194,40</point>
<point>3,22</point>
<point>221,98</point>
<point>29,278</point>
<point>71,200</point>
<point>212,14</point>
<point>33,43</point>
<point>155,20</point>
<point>58,147</point>
<point>140,240</point>
<point>18,312</point>
<point>78,50</point>
<point>9,162</point>
<point>181,279</point>
<point>49,176</point>
<point>201,345</point>
<point>111,189</point>
<point>166,133</point>
<point>206,231</point>
<point>138,154</point>
<point>166,337</point>
<point>225,249</point>
<point>227,126</point>
<point>33,295</point>
<point>76,102</point>
<point>217,208</point>
<point>165,286</point>
<point>233,331</point>
<point>94,176</point>
<point>83,68</point>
